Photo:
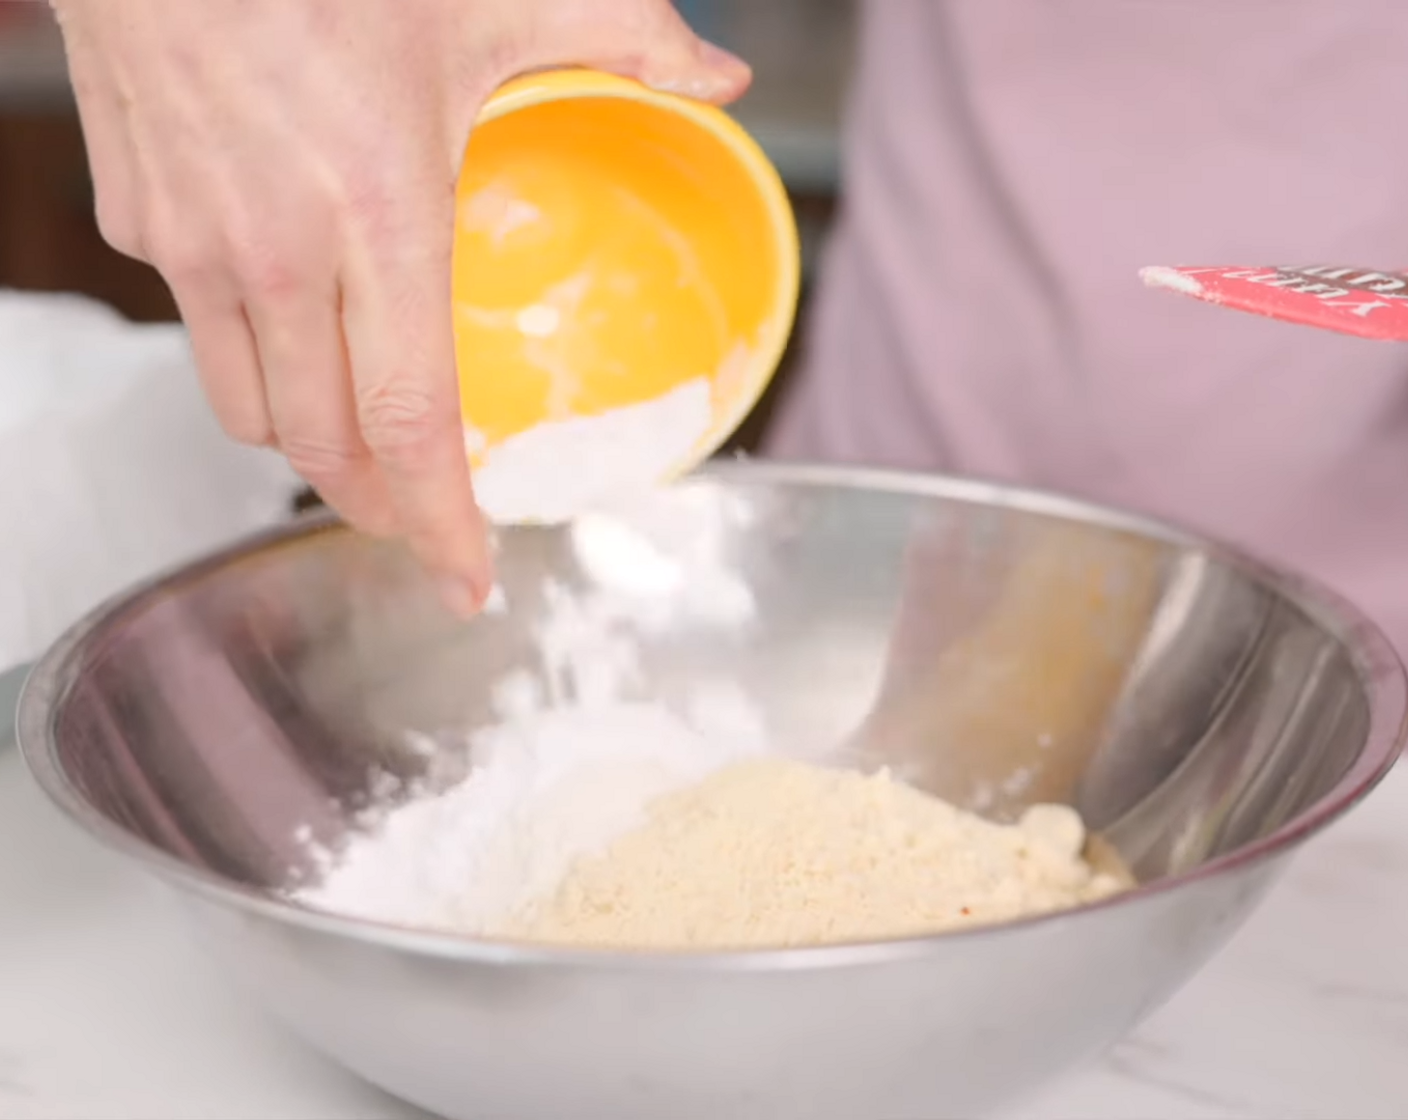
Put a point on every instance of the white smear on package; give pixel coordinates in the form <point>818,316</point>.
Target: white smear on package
<point>1161,276</point>
<point>561,468</point>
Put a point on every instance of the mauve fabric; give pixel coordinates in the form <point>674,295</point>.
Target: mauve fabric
<point>1010,166</point>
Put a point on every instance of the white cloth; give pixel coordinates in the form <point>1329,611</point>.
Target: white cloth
<point>111,465</point>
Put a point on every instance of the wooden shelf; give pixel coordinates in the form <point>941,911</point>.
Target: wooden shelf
<point>49,239</point>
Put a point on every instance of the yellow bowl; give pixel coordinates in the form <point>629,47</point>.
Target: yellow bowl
<point>613,243</point>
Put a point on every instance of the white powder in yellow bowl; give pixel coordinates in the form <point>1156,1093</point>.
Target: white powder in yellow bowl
<point>771,853</point>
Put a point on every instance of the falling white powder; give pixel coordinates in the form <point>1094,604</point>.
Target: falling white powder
<point>558,469</point>
<point>574,759</point>
<point>663,558</point>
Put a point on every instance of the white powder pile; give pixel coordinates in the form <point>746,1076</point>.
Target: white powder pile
<point>545,790</point>
<point>558,469</point>
<point>774,853</point>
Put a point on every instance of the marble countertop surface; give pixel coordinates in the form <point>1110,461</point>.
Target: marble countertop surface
<point>109,1010</point>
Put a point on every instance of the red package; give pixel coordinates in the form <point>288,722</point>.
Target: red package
<point>1361,301</point>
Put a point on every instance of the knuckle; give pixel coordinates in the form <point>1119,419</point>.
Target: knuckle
<point>394,200</point>
<point>399,421</point>
<point>184,261</point>
<point>119,227</point>
<point>320,461</point>
<point>364,195</point>
<point>264,270</point>
<point>246,426</point>
<point>370,178</point>
<point>251,433</point>
<point>179,252</point>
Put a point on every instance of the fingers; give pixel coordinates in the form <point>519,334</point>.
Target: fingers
<point>307,379</point>
<point>270,124</point>
<point>274,367</point>
<point>397,321</point>
<point>227,361</point>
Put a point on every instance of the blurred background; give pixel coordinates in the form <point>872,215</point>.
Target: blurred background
<point>49,241</point>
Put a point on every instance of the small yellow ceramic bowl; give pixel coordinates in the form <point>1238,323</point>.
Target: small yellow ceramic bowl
<point>612,244</point>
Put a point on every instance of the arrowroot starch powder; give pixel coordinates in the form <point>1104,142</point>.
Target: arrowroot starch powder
<point>574,759</point>
<point>561,468</point>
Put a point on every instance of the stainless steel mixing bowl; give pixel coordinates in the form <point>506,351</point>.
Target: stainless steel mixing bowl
<point>1206,713</point>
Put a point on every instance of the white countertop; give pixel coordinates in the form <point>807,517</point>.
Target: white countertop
<point>108,1009</point>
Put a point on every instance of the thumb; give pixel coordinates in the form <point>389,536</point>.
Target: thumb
<point>646,40</point>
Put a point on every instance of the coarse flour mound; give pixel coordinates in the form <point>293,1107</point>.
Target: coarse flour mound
<point>775,853</point>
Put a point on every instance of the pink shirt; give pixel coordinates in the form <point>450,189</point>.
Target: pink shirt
<point>1010,166</point>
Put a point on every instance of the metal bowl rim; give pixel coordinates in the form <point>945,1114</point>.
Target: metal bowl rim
<point>1379,668</point>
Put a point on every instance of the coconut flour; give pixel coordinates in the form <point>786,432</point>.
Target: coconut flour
<point>776,853</point>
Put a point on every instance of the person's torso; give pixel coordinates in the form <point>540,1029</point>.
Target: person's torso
<point>1010,166</point>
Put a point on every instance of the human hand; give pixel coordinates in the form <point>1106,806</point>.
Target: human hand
<point>289,166</point>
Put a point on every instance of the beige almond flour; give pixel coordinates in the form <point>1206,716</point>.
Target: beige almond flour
<point>773,853</point>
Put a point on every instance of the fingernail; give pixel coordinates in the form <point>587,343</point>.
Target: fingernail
<point>460,595</point>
